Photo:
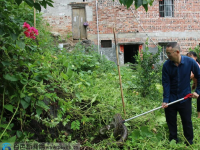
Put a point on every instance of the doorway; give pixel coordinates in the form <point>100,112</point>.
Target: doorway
<point>78,29</point>
<point>129,52</point>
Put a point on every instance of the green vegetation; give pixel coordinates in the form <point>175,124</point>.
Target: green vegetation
<point>49,95</point>
<point>197,51</point>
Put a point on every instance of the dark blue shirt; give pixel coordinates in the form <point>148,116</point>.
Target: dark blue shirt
<point>176,79</point>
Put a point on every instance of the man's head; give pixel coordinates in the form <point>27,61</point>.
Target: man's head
<point>193,55</point>
<point>173,51</point>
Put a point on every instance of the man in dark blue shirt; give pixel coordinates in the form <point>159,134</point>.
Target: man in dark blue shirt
<point>176,84</point>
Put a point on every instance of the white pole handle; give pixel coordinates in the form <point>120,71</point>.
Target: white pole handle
<point>187,96</point>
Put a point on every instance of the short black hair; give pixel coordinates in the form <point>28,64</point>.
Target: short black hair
<point>192,53</point>
<point>174,45</point>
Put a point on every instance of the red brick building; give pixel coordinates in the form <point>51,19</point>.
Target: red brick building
<point>166,21</point>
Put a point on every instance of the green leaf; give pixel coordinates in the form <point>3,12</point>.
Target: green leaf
<point>78,96</point>
<point>18,1</point>
<point>4,126</point>
<point>23,81</point>
<point>24,104</point>
<point>94,99</point>
<point>64,76</point>
<point>145,7</point>
<point>138,3</point>
<point>145,132</point>
<point>13,36</point>
<point>21,44</point>
<point>12,139</point>
<point>64,123</point>
<point>145,2</point>
<point>19,133</point>
<point>129,3</point>
<point>9,107</point>
<point>10,78</point>
<point>27,99</point>
<point>173,143</point>
<point>22,95</point>
<point>150,2</point>
<point>126,124</point>
<point>50,4</point>
<point>159,87</point>
<point>161,119</point>
<point>69,72</point>
<point>75,125</point>
<point>44,4</point>
<point>159,136</point>
<point>135,134</point>
<point>37,6</point>
<point>38,111</point>
<point>29,2</point>
<point>5,63</point>
<point>42,105</point>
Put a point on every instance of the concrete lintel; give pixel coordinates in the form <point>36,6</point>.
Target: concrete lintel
<point>166,42</point>
<point>131,43</point>
<point>78,5</point>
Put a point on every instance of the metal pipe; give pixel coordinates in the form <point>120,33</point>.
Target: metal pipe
<point>153,110</point>
<point>97,24</point>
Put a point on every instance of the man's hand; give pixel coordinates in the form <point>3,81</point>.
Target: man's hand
<point>164,105</point>
<point>195,95</point>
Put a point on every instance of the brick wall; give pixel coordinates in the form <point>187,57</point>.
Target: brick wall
<point>132,25</point>
<point>59,16</point>
<point>60,24</point>
<point>185,21</point>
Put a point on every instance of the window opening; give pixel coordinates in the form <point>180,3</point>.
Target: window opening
<point>166,8</point>
<point>106,43</point>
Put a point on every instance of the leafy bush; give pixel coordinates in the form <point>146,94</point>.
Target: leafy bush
<point>148,72</point>
<point>197,51</point>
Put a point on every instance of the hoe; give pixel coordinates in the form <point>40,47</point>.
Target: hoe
<point>120,130</point>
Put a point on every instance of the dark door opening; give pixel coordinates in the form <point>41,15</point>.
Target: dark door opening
<point>129,52</point>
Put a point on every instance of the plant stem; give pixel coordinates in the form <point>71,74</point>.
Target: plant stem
<point>187,141</point>
<point>3,104</point>
<point>10,120</point>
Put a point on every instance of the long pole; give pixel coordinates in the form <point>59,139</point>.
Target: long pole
<point>34,17</point>
<point>97,24</point>
<point>187,96</point>
<point>120,81</point>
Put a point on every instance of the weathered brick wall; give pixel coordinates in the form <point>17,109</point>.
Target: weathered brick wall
<point>132,25</point>
<point>60,24</point>
<point>183,27</point>
<point>59,17</point>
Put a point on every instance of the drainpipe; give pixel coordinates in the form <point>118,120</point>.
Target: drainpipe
<point>97,24</point>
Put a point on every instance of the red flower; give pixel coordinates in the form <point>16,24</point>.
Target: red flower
<point>30,32</point>
<point>26,25</point>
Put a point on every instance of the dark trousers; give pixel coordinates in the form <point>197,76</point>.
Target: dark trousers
<point>185,111</point>
<point>198,104</point>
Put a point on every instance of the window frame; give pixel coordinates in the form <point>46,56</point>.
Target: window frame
<point>162,9</point>
<point>107,44</point>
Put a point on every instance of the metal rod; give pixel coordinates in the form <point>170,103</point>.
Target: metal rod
<point>154,109</point>
<point>97,24</point>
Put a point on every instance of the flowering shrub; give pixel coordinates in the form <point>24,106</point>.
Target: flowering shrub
<point>30,31</point>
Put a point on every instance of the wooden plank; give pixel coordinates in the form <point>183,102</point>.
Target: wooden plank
<point>82,19</point>
<point>75,24</point>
